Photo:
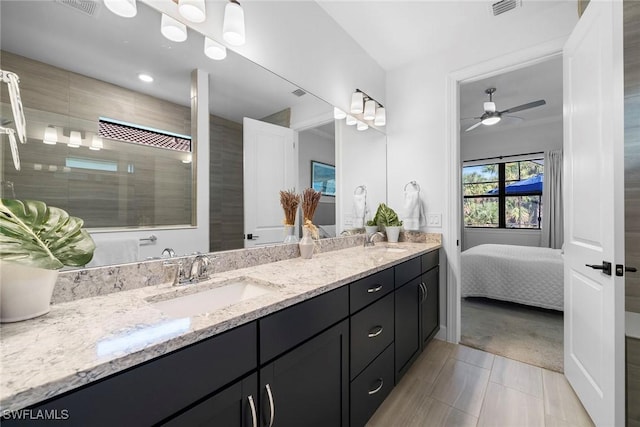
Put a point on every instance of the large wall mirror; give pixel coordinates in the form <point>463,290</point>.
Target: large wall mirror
<point>134,170</point>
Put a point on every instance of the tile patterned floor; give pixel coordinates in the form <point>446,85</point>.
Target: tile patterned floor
<point>454,385</point>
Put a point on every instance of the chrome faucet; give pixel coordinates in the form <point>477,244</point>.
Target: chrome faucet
<point>199,268</point>
<point>368,238</point>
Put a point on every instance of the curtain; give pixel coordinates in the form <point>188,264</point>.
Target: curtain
<point>552,208</point>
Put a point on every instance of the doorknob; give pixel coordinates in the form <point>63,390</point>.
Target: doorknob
<point>252,237</point>
<point>605,267</point>
<point>620,269</point>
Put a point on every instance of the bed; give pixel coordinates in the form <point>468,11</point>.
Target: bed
<point>522,274</point>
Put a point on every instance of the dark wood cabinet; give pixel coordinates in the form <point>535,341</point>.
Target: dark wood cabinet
<point>309,385</point>
<point>430,305</point>
<point>371,387</point>
<point>235,406</point>
<point>408,341</point>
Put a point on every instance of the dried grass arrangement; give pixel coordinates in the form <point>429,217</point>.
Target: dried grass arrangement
<point>289,201</point>
<point>310,200</point>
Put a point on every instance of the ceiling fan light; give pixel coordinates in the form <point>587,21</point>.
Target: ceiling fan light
<point>50,135</point>
<point>124,8</point>
<point>173,29</point>
<point>357,101</point>
<point>381,117</point>
<point>75,139</point>
<point>351,120</point>
<point>214,50</point>
<point>233,26</point>
<point>491,120</point>
<point>369,110</point>
<point>338,114</point>
<point>193,10</point>
<point>362,126</point>
<point>490,107</point>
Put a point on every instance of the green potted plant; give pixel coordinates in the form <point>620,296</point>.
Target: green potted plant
<point>36,240</point>
<point>387,218</point>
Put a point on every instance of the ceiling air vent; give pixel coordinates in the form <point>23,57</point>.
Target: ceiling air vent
<point>505,6</point>
<point>88,7</point>
<point>299,92</point>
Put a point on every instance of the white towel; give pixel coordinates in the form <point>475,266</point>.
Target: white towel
<point>115,251</point>
<point>413,210</point>
<point>359,207</point>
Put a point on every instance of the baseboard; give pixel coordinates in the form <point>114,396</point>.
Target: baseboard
<point>442,333</point>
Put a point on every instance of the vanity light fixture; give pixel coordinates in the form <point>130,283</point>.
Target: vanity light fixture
<point>192,10</point>
<point>362,126</point>
<point>381,116</point>
<point>369,109</point>
<point>357,100</point>
<point>187,159</point>
<point>233,25</point>
<point>96,143</point>
<point>173,29</point>
<point>351,120</point>
<point>75,139</point>
<point>214,50</point>
<point>50,135</point>
<point>124,8</point>
<point>145,78</point>
<point>338,114</point>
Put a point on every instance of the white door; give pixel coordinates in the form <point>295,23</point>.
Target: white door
<point>270,165</point>
<point>594,212</point>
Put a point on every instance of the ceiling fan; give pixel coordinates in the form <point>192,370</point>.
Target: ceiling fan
<point>491,116</point>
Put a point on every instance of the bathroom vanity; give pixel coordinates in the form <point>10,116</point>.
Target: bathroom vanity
<point>325,344</point>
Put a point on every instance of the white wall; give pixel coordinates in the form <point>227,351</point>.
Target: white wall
<point>417,127</point>
<point>314,145</point>
<point>365,153</point>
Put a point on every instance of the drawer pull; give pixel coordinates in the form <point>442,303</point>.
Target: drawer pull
<point>375,332</point>
<point>377,389</point>
<point>254,417</point>
<point>374,290</point>
<point>272,409</point>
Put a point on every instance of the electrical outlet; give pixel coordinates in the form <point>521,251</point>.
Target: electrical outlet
<point>434,220</point>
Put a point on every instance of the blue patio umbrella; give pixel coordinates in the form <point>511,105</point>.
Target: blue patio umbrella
<point>526,186</point>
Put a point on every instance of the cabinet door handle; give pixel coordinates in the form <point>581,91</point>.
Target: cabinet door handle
<point>272,409</point>
<point>374,290</point>
<point>425,292</point>
<point>375,332</point>
<point>254,416</point>
<point>377,389</point>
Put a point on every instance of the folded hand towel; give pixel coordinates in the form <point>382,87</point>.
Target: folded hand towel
<point>115,251</point>
<point>413,210</point>
<point>359,206</point>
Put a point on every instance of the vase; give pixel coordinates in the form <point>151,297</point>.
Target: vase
<point>289,234</point>
<point>393,232</point>
<point>25,292</point>
<point>306,244</point>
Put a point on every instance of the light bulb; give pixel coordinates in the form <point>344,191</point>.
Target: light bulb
<point>381,117</point>
<point>357,100</point>
<point>233,26</point>
<point>338,114</point>
<point>193,10</point>
<point>50,135</point>
<point>124,8</point>
<point>369,110</point>
<point>173,29</point>
<point>214,50</point>
<point>362,126</point>
<point>491,120</point>
<point>75,139</point>
<point>351,120</point>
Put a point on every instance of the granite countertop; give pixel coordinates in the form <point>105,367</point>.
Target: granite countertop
<point>84,340</point>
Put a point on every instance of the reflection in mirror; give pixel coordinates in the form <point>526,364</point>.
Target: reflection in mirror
<point>77,66</point>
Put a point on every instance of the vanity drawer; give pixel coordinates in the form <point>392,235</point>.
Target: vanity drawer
<point>369,289</point>
<point>371,387</point>
<point>407,270</point>
<point>371,332</point>
<point>430,260</point>
<point>287,328</point>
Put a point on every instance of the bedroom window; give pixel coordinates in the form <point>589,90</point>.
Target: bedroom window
<point>503,195</point>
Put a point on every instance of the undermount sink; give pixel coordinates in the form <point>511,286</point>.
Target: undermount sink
<point>192,302</point>
<point>389,249</point>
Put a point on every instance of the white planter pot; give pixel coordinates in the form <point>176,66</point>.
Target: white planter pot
<point>393,232</point>
<point>25,292</point>
<point>371,228</point>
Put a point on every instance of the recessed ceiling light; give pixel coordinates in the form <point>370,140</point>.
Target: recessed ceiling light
<point>145,77</point>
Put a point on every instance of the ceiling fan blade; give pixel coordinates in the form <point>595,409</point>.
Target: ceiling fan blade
<point>471,118</point>
<point>472,127</point>
<point>524,106</point>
